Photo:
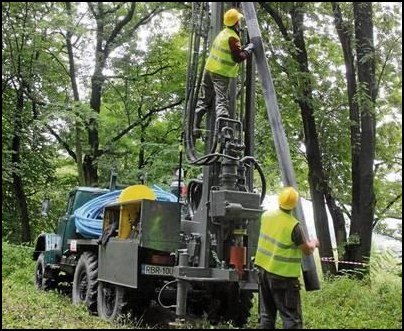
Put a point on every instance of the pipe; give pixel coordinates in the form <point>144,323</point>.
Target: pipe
<point>182,290</point>
<point>310,276</point>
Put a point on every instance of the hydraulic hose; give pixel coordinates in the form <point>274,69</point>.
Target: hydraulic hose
<point>248,159</point>
<point>197,31</point>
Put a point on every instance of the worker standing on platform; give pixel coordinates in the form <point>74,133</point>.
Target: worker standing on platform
<point>221,66</point>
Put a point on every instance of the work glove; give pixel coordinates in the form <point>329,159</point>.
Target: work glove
<point>249,48</point>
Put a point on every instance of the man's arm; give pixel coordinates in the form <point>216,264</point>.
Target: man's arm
<point>298,237</point>
<point>308,247</point>
<point>237,53</point>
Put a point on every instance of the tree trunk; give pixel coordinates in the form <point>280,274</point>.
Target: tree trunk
<point>316,173</point>
<point>21,199</point>
<point>363,200</point>
<point>72,74</point>
<point>337,217</point>
<point>344,30</point>
<point>90,170</point>
<point>361,226</point>
<point>141,159</point>
<point>105,43</point>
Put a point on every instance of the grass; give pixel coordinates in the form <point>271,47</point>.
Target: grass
<point>347,303</point>
<point>24,307</point>
<point>342,302</point>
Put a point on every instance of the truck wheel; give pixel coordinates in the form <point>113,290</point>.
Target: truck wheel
<point>43,281</point>
<point>233,306</point>
<point>111,300</point>
<point>85,281</point>
<point>239,313</point>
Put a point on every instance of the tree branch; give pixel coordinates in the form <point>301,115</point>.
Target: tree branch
<point>376,220</point>
<point>277,18</point>
<point>119,27</point>
<point>35,101</point>
<point>383,68</point>
<point>62,142</point>
<point>143,75</point>
<point>138,122</point>
<point>148,17</point>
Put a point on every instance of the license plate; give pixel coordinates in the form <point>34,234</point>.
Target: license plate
<point>157,270</point>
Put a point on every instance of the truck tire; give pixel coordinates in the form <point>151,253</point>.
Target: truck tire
<point>237,306</point>
<point>43,276</point>
<point>85,282</point>
<point>232,305</point>
<point>111,301</point>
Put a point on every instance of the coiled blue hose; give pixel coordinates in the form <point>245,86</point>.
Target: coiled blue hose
<point>88,218</point>
<point>162,195</point>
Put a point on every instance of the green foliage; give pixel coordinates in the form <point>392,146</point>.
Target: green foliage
<point>347,303</point>
<point>28,153</point>
<point>25,307</point>
<point>342,302</point>
<point>385,264</point>
<point>17,259</point>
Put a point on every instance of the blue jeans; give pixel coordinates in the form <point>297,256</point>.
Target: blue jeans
<point>279,294</point>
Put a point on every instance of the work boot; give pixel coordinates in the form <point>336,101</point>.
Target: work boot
<point>223,122</point>
<point>223,114</point>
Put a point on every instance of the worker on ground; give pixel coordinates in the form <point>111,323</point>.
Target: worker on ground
<point>278,258</point>
<point>221,66</point>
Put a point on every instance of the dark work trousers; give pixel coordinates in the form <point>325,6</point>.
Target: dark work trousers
<point>215,89</point>
<point>279,294</point>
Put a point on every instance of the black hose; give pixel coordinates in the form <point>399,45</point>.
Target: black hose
<point>193,90</point>
<point>260,172</point>
<point>194,194</point>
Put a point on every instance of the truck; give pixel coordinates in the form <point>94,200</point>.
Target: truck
<point>194,256</point>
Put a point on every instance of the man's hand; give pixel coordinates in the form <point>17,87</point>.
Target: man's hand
<point>249,48</point>
<point>309,246</point>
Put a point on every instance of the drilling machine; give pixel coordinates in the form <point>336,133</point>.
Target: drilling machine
<point>215,272</point>
<point>222,234</point>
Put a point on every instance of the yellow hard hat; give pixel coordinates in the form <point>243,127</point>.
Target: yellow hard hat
<point>231,17</point>
<point>288,198</point>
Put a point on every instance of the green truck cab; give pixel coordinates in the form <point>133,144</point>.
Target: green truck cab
<point>51,247</point>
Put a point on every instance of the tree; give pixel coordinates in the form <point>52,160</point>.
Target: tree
<point>362,96</point>
<point>26,155</point>
<point>116,26</point>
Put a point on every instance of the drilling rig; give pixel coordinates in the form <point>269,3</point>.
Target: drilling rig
<point>194,255</point>
<point>223,232</point>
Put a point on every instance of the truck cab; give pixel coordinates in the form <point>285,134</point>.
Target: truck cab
<point>50,247</point>
<point>77,198</point>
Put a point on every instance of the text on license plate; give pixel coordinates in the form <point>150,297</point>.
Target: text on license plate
<point>158,270</point>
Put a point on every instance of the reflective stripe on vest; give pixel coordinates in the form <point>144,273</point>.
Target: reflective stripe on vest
<point>276,251</point>
<point>220,60</point>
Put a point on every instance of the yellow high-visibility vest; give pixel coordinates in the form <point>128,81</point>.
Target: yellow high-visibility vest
<point>220,60</point>
<point>276,252</point>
